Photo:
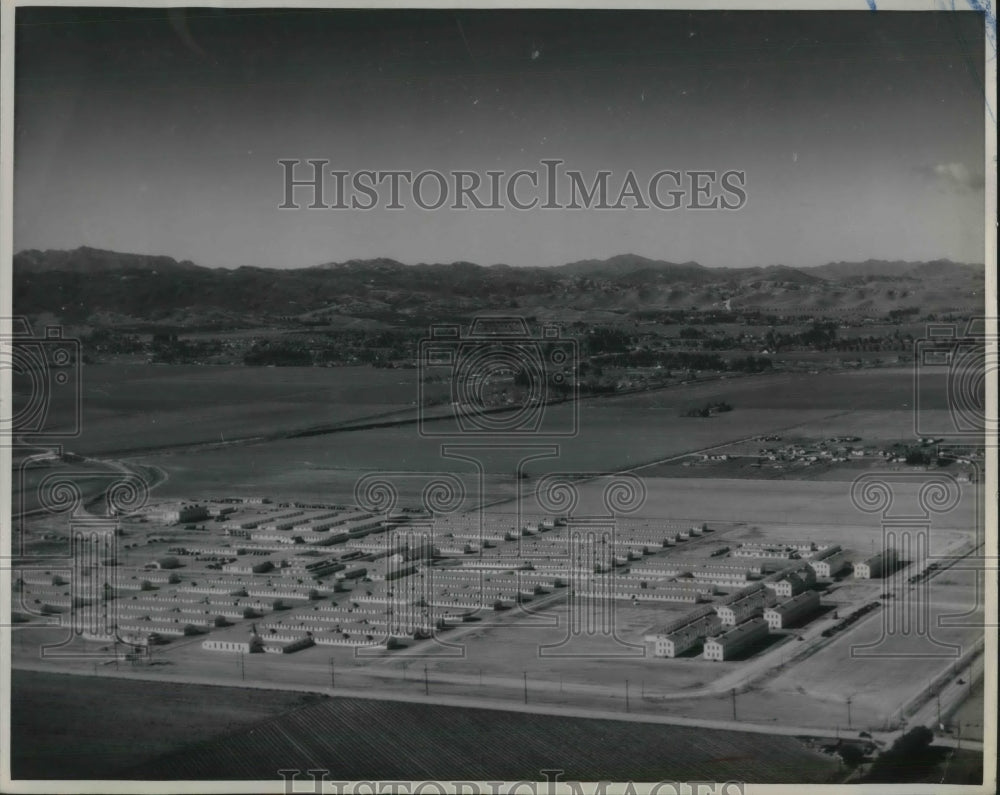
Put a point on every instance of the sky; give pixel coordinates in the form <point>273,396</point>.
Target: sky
<point>159,131</point>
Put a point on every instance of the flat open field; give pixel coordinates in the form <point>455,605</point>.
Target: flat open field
<point>329,465</point>
<point>970,713</point>
<point>612,433</point>
<point>127,407</point>
<point>358,739</point>
<point>882,667</point>
<point>87,727</point>
<point>810,509</point>
<point>845,390</point>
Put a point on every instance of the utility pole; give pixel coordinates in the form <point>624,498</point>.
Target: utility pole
<point>849,712</point>
<point>332,674</point>
<point>427,685</point>
<point>733,692</point>
<point>243,670</point>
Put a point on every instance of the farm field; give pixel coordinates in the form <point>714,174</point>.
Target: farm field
<point>87,727</point>
<point>358,739</point>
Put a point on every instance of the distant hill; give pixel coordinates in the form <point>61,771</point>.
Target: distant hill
<point>625,264</point>
<point>91,286</point>
<point>93,260</point>
<point>898,269</point>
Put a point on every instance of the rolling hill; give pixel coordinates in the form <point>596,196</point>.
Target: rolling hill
<point>96,287</point>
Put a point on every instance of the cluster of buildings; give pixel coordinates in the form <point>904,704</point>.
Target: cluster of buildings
<point>734,626</point>
<point>314,575</point>
<point>836,449</point>
<point>772,602</point>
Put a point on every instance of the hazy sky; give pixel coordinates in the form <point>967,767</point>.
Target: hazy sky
<point>159,131</point>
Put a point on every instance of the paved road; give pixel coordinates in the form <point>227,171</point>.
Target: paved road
<point>464,701</point>
<point>938,706</point>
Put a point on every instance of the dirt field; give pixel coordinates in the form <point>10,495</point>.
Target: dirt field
<point>807,508</point>
<point>970,714</point>
<point>898,665</point>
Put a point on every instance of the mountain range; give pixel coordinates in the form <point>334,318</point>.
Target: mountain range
<point>92,286</point>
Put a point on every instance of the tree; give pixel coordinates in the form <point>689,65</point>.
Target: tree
<point>147,586</point>
<point>221,621</point>
<point>909,758</point>
<point>851,754</point>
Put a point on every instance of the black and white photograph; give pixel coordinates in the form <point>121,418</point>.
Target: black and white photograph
<point>456,398</point>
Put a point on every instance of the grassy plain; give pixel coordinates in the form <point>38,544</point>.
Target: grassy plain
<point>136,407</point>
<point>611,433</point>
<point>89,727</point>
<point>358,739</point>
